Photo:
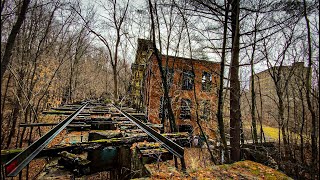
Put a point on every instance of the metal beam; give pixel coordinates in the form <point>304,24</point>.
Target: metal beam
<point>15,165</point>
<point>171,146</point>
<point>64,113</point>
<point>48,124</point>
<point>37,124</point>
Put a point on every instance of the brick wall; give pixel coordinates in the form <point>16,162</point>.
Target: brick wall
<point>153,92</point>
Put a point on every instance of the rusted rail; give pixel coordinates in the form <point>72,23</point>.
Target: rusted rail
<point>15,165</point>
<point>168,144</point>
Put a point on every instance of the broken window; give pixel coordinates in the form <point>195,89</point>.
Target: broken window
<point>206,81</point>
<point>162,109</point>
<point>185,112</point>
<point>205,110</point>
<point>187,80</point>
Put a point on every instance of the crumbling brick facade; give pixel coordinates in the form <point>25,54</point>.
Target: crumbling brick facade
<point>144,51</point>
<point>181,92</point>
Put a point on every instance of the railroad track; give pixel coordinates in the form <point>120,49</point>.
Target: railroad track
<point>14,166</point>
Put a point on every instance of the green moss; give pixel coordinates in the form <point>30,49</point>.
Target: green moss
<point>153,151</point>
<point>101,141</point>
<point>60,111</point>
<point>107,101</point>
<point>176,134</point>
<point>242,165</point>
<point>224,166</point>
<point>148,145</point>
<point>11,151</point>
<point>255,171</point>
<point>276,175</point>
<point>107,140</point>
<point>98,131</point>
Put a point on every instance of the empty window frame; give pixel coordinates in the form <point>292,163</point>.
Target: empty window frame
<point>206,81</point>
<point>205,109</point>
<point>187,80</point>
<point>185,111</point>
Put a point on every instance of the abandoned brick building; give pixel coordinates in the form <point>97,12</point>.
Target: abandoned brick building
<point>147,93</point>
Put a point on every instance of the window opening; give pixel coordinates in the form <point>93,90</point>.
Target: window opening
<point>206,81</point>
<point>187,80</point>
<point>185,112</point>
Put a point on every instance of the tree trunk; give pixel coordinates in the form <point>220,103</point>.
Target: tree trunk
<point>314,144</point>
<point>115,83</point>
<point>302,127</point>
<point>253,94</point>
<point>262,137</point>
<point>12,37</point>
<point>70,81</point>
<point>3,101</point>
<point>282,125</point>
<point>220,91</point>
<point>15,114</point>
<point>235,113</point>
<point>167,105</point>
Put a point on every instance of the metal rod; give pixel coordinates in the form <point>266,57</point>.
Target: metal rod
<point>171,146</point>
<point>15,165</point>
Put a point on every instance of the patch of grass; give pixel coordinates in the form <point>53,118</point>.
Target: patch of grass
<point>271,132</point>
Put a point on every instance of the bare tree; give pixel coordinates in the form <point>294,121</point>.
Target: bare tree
<point>314,135</point>
<point>221,84</point>
<point>235,113</point>
<point>5,60</point>
<point>281,80</point>
<point>116,20</point>
<point>80,50</point>
<point>172,122</point>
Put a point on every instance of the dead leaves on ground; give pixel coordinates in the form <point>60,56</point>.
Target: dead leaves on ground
<point>239,170</point>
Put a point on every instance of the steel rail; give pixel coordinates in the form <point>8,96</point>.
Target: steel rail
<point>16,164</point>
<point>168,144</point>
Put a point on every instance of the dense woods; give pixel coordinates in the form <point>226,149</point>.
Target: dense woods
<point>58,52</point>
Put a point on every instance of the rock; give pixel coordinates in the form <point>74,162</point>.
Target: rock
<point>78,165</point>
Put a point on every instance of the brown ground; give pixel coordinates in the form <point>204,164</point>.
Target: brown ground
<point>200,167</point>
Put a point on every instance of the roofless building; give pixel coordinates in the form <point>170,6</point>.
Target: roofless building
<point>147,92</point>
